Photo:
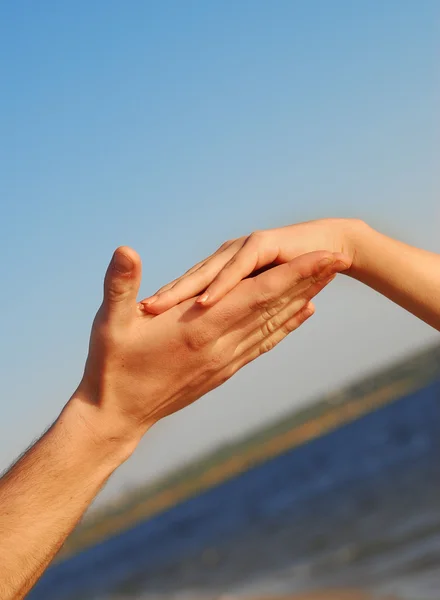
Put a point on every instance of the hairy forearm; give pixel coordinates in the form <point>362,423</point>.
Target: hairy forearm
<point>45,494</point>
<point>406,275</point>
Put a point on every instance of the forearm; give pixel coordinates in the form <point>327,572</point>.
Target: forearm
<point>406,275</point>
<point>45,494</point>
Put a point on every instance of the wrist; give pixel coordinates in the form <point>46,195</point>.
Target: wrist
<point>105,439</point>
<point>353,234</point>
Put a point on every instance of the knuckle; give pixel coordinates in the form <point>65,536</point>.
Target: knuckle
<point>271,311</point>
<point>262,301</point>
<point>256,236</point>
<point>298,320</point>
<point>269,327</point>
<point>202,271</point>
<point>226,245</point>
<point>171,285</point>
<point>292,325</point>
<point>255,240</point>
<point>168,286</point>
<point>188,272</point>
<point>197,338</point>
<point>260,295</point>
<point>230,264</point>
<point>308,311</point>
<point>117,292</point>
<point>193,276</point>
<point>195,269</point>
<point>216,362</point>
<point>266,346</point>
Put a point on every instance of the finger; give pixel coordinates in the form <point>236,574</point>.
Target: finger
<point>192,283</point>
<point>295,276</point>
<point>121,284</point>
<point>272,340</point>
<point>248,259</point>
<point>171,284</point>
<point>151,299</point>
<point>279,285</point>
<point>253,331</point>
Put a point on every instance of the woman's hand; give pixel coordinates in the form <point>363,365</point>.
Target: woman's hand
<point>237,259</point>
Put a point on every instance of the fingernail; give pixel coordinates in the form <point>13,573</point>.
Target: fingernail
<point>150,301</point>
<point>325,261</point>
<point>308,312</point>
<point>203,298</point>
<point>122,263</point>
<point>340,265</point>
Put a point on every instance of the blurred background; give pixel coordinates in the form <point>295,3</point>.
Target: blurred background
<point>171,127</point>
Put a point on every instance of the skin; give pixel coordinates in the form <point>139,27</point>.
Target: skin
<point>406,275</point>
<point>140,368</point>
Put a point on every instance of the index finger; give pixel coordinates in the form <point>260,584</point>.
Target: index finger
<point>192,282</point>
<point>249,258</point>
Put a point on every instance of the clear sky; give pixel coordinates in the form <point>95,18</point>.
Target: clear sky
<point>172,126</point>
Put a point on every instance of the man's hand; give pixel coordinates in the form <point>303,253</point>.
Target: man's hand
<point>141,368</point>
<point>237,259</point>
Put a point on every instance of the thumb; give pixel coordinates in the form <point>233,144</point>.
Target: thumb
<point>121,283</point>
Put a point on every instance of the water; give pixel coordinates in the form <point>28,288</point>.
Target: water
<point>359,507</point>
<point>381,535</point>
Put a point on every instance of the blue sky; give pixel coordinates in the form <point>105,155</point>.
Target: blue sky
<point>172,126</point>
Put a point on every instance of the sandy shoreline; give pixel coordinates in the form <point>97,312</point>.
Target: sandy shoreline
<point>342,594</point>
<point>330,595</point>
